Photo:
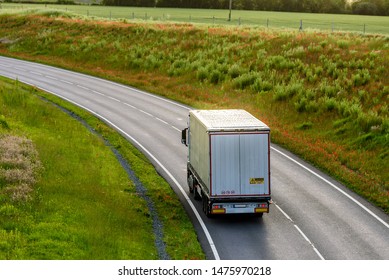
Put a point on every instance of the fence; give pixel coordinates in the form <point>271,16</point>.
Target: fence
<point>270,20</point>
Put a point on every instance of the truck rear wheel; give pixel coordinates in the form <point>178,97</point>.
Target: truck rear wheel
<point>206,205</point>
<point>190,182</point>
<point>196,194</point>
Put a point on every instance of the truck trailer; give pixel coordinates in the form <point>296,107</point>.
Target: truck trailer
<point>228,164</point>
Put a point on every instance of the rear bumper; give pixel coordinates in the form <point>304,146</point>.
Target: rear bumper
<point>239,207</point>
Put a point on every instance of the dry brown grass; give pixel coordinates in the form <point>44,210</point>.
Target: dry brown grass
<point>19,167</point>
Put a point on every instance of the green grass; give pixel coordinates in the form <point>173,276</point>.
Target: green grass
<point>325,22</point>
<point>81,203</point>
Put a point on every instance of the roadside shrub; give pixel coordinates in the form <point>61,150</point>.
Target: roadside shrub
<point>343,44</point>
<point>329,103</point>
<point>283,92</point>
<point>235,71</point>
<point>216,76</point>
<point>327,89</point>
<point>278,62</point>
<point>178,67</point>
<point>361,78</point>
<point>305,100</point>
<point>295,52</point>
<point>305,126</point>
<point>202,74</point>
<point>369,121</point>
<point>261,85</point>
<point>245,80</point>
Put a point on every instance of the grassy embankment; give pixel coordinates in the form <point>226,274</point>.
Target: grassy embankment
<point>64,195</point>
<point>324,95</point>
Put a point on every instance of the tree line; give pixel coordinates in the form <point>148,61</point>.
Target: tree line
<point>363,7</point>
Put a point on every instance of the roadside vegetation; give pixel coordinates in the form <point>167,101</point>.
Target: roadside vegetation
<point>64,194</point>
<point>325,95</point>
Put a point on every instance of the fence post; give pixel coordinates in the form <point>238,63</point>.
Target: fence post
<point>364,28</point>
<point>301,25</point>
<point>267,23</point>
<point>133,15</point>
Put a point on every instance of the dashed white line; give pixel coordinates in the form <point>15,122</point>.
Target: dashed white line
<point>300,231</point>
<point>97,92</point>
<point>114,99</point>
<point>283,212</point>
<point>146,113</point>
<point>36,73</point>
<point>129,105</point>
<point>162,120</point>
<point>80,86</point>
<point>67,82</point>
<point>309,241</point>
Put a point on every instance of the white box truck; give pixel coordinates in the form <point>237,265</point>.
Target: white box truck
<point>228,161</point>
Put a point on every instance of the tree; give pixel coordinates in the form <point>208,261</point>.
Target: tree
<point>364,8</point>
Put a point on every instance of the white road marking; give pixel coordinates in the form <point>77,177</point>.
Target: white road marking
<point>335,187</point>
<point>300,231</point>
<point>67,82</point>
<point>36,73</point>
<point>199,219</point>
<point>309,241</point>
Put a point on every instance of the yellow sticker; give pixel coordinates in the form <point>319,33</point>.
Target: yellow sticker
<point>255,181</point>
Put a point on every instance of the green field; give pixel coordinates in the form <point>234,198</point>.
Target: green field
<point>323,22</point>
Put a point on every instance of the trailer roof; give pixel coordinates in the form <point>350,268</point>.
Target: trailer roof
<point>229,120</point>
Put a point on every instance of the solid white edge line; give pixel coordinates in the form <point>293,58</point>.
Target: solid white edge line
<point>335,187</point>
<point>202,224</point>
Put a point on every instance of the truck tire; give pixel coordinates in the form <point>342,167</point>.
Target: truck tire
<point>190,182</point>
<point>206,206</point>
<point>196,194</point>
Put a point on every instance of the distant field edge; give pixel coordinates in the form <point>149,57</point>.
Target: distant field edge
<point>363,24</point>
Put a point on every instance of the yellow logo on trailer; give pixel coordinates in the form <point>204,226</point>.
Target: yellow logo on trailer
<point>256,181</point>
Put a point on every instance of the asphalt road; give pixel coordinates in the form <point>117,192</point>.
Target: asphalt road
<point>312,217</point>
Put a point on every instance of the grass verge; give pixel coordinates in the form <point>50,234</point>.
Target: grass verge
<point>77,202</point>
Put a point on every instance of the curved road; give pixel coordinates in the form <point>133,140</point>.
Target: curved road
<point>312,217</point>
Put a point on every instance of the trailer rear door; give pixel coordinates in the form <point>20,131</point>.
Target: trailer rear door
<point>240,164</point>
